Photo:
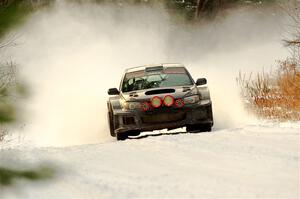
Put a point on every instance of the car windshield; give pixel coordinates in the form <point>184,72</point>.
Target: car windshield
<point>169,77</point>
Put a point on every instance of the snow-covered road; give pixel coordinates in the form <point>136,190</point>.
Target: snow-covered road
<point>254,161</point>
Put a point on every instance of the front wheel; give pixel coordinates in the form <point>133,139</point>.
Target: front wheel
<point>121,136</point>
<point>196,128</point>
<point>111,121</point>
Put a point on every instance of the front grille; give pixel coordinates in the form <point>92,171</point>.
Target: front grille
<point>163,117</point>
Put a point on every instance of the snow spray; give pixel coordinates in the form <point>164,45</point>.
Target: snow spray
<point>70,54</point>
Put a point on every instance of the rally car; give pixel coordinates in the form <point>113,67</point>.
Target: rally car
<point>162,96</point>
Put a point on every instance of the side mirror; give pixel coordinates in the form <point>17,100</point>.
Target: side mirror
<point>201,81</point>
<point>113,91</point>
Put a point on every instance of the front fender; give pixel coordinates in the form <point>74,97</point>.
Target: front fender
<point>114,104</point>
<point>204,92</point>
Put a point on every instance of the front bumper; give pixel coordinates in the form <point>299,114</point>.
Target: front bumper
<point>164,117</point>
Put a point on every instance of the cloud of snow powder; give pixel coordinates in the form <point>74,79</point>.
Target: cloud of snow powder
<point>70,54</point>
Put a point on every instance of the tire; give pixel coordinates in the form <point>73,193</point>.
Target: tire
<point>206,128</point>
<point>197,128</point>
<point>134,133</point>
<point>121,136</point>
<point>111,122</point>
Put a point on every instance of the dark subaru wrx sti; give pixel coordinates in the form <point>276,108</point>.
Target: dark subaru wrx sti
<point>154,97</point>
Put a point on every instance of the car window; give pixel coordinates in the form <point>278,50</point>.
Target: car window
<point>155,80</point>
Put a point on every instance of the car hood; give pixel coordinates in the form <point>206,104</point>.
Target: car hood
<point>146,95</point>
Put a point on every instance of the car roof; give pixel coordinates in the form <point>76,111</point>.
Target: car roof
<point>165,65</point>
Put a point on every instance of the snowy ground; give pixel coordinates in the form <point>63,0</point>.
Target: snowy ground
<point>254,161</point>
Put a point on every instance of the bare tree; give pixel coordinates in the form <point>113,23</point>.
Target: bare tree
<point>292,9</point>
<point>292,39</point>
<point>8,88</point>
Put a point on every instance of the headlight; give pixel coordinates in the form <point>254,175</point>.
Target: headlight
<point>131,105</point>
<point>191,100</point>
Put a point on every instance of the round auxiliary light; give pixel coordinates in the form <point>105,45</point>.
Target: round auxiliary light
<point>156,101</point>
<point>131,106</point>
<point>145,106</point>
<point>179,103</point>
<point>168,100</point>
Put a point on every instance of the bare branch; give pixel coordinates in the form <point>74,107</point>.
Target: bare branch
<point>8,42</point>
<point>292,42</point>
